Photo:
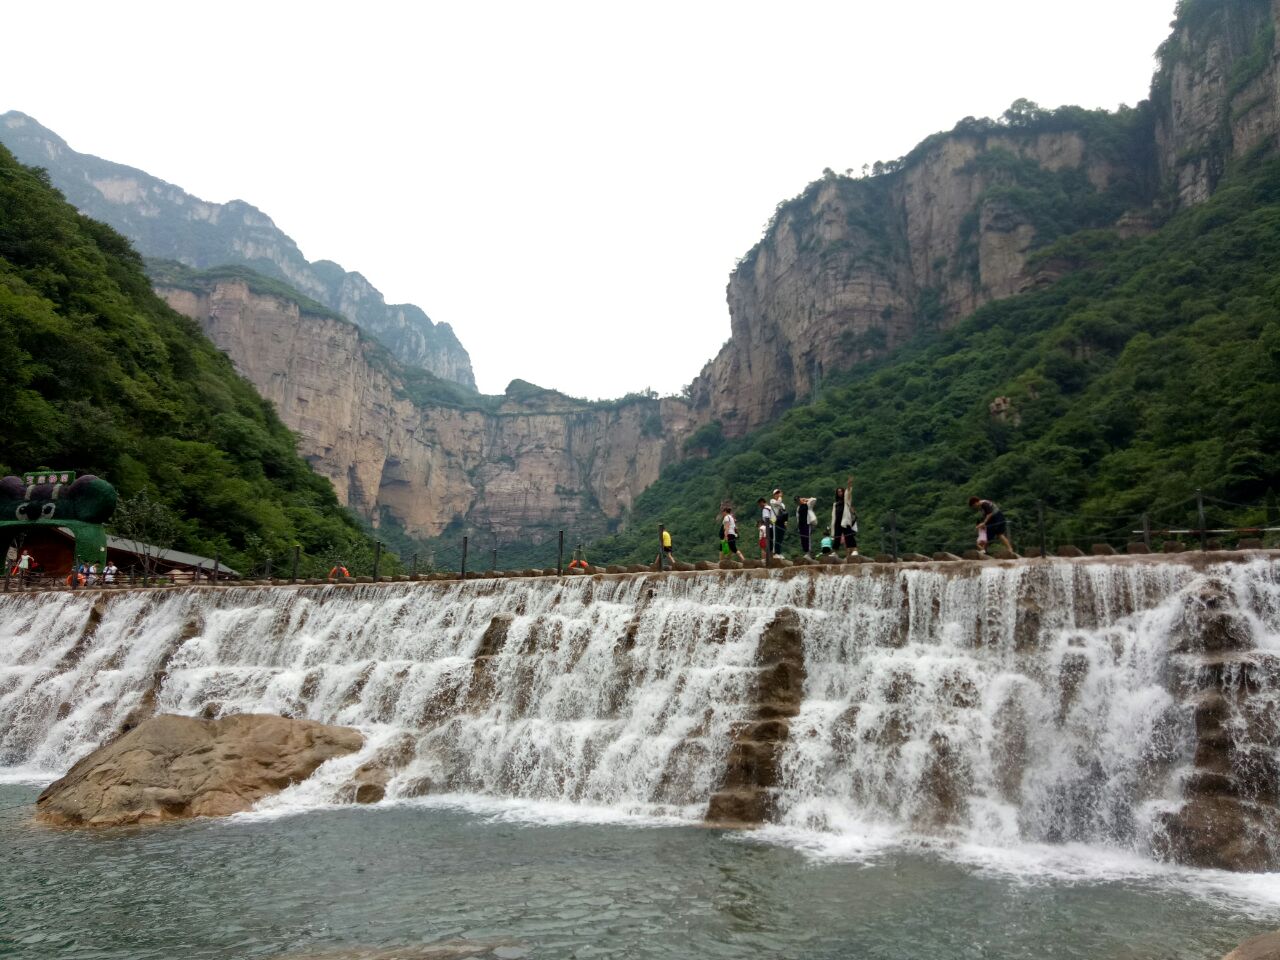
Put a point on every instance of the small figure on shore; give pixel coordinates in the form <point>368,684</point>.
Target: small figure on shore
<point>992,524</point>
<point>579,561</point>
<point>666,558</point>
<point>806,520</point>
<point>23,568</point>
<point>826,546</point>
<point>339,572</point>
<point>779,507</point>
<point>729,530</point>
<point>844,521</point>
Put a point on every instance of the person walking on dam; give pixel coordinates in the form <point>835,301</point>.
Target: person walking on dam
<point>766,528</point>
<point>779,507</point>
<point>844,521</point>
<point>729,530</point>
<point>993,523</point>
<point>666,558</point>
<point>806,520</point>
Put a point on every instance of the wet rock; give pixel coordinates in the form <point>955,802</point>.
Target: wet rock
<point>1264,947</point>
<point>1220,833</point>
<point>172,768</point>
<point>1069,550</point>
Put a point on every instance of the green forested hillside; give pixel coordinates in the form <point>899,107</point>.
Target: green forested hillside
<point>1150,370</point>
<point>101,376</point>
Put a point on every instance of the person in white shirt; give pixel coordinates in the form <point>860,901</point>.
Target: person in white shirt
<point>109,572</point>
<point>779,507</point>
<point>729,531</point>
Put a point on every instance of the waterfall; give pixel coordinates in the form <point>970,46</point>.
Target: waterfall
<point>1055,702</point>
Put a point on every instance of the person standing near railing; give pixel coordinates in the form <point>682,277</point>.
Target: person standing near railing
<point>993,522</point>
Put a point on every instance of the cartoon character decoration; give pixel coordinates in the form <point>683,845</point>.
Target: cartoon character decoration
<point>88,499</point>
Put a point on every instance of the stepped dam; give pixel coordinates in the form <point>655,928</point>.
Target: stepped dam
<point>1128,704</point>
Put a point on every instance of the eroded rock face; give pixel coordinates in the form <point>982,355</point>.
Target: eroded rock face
<point>855,268</point>
<point>173,768</point>
<point>1218,94</point>
<point>532,462</point>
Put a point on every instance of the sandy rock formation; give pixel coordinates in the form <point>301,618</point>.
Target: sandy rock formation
<point>172,768</point>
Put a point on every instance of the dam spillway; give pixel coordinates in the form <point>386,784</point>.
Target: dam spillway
<point>1122,703</point>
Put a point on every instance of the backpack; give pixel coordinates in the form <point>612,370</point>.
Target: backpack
<point>780,512</point>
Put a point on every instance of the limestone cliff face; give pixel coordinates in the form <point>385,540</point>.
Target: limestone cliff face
<point>163,220</point>
<point>854,268</point>
<point>523,467</point>
<point>1218,92</point>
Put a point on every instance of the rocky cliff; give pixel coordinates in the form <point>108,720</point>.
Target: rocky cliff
<point>163,220</point>
<point>854,267</point>
<point>518,467</point>
<point>1217,92</point>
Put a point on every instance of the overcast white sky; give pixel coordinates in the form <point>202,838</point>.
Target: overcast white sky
<point>567,184</point>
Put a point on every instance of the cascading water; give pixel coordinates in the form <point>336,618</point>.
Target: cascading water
<point>1046,703</point>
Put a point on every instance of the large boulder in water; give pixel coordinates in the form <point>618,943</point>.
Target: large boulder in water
<point>1264,947</point>
<point>171,768</point>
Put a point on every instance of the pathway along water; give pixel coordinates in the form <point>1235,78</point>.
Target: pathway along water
<point>1028,720</point>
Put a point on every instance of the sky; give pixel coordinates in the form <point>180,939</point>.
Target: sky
<point>567,184</point>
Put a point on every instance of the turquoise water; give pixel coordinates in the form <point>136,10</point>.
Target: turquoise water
<point>407,876</point>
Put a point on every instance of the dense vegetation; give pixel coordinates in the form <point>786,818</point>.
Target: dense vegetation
<point>1150,370</point>
<point>102,377</point>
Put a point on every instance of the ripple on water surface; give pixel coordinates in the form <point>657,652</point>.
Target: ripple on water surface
<point>444,882</point>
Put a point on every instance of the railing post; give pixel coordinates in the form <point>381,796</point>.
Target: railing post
<point>377,558</point>
<point>1044,551</point>
<point>1200,519</point>
<point>560,556</point>
<point>297,550</point>
<point>893,533</point>
<point>1146,530</point>
<point>464,558</point>
<point>493,564</point>
<point>413,570</point>
<point>268,568</point>
<point>199,571</point>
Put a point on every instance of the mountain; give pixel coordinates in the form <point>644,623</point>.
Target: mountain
<point>855,267</point>
<point>102,377</point>
<point>418,457</point>
<point>1124,350</point>
<point>165,221</point>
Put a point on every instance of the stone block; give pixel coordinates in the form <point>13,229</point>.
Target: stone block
<point>860,558</point>
<point>1102,550</point>
<point>1249,543</point>
<point>1138,547</point>
<point>1172,546</point>
<point>705,565</point>
<point>975,555</point>
<point>1069,550</point>
<point>1032,553</point>
<point>884,558</point>
<point>943,556</point>
<point>615,568</point>
<point>358,580</point>
<point>914,558</point>
<point>638,568</point>
<point>728,564</point>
